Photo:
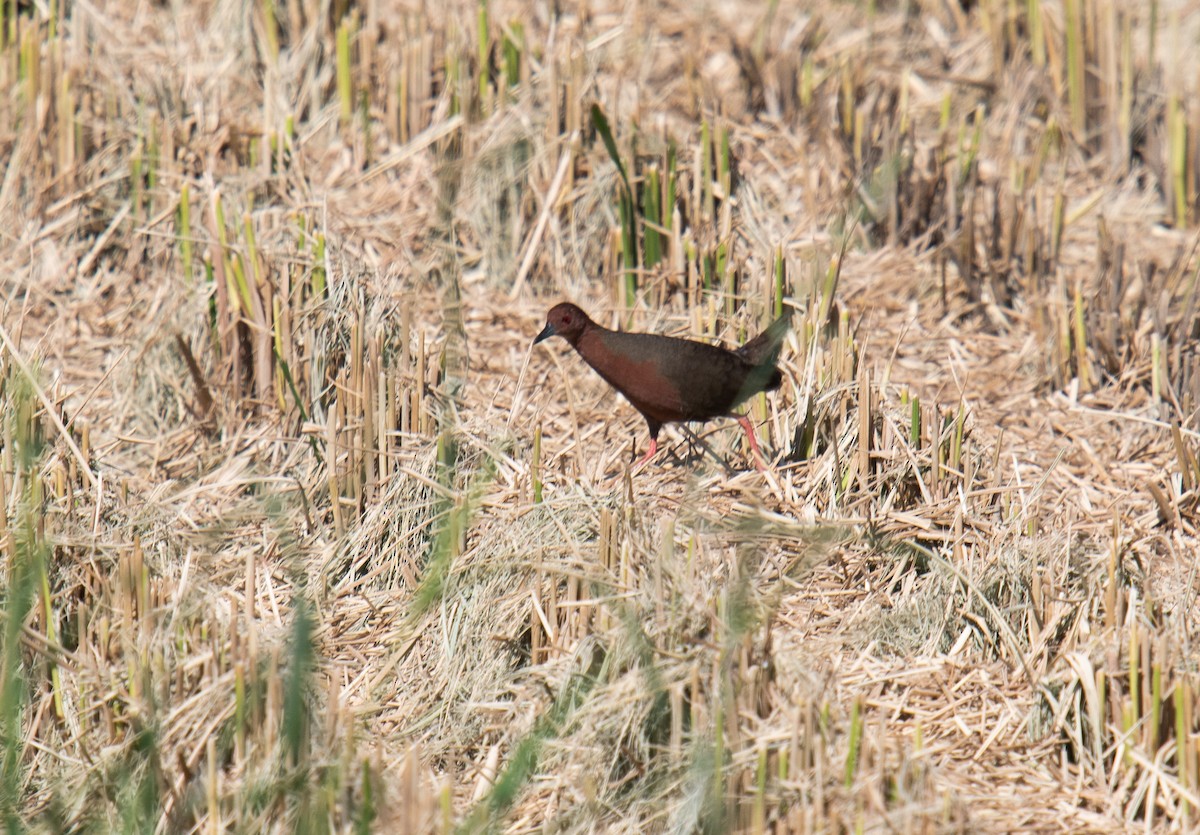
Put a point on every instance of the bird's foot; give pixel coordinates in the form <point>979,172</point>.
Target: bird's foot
<point>639,464</point>
<point>756,453</point>
<point>645,459</point>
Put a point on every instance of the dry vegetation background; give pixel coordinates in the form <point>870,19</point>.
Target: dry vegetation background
<point>299,535</point>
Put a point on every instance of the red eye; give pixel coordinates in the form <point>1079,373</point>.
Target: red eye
<point>566,318</point>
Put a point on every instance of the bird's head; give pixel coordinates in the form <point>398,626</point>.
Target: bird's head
<point>565,320</point>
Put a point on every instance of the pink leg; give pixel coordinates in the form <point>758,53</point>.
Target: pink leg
<point>646,458</point>
<point>749,427</point>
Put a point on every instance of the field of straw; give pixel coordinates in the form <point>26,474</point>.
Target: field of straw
<point>299,533</point>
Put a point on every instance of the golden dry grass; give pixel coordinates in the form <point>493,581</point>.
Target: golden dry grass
<point>299,534</point>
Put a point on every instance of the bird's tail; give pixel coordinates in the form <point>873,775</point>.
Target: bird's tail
<point>764,348</point>
<point>762,352</point>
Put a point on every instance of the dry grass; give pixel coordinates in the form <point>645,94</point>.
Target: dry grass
<point>298,534</point>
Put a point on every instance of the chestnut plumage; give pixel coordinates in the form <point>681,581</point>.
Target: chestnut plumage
<point>672,380</point>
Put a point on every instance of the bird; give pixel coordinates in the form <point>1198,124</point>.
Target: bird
<point>672,380</point>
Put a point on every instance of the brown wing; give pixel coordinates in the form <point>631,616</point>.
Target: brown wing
<point>670,379</point>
